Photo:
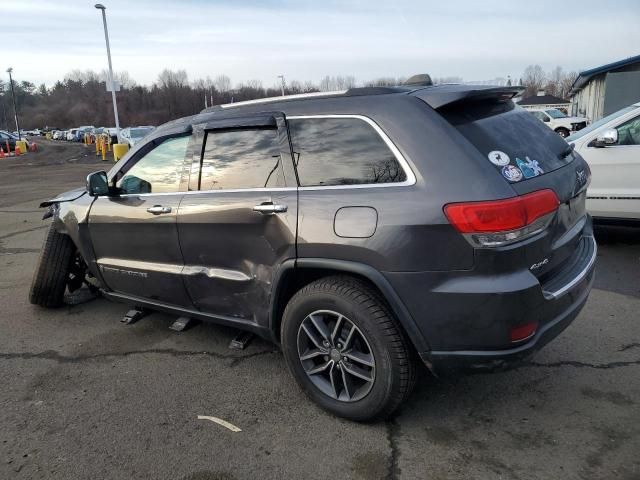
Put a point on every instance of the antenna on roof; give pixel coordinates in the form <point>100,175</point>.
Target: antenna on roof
<point>420,80</point>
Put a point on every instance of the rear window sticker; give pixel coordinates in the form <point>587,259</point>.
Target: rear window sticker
<point>533,165</point>
<point>512,173</point>
<point>498,158</point>
<point>529,168</point>
<point>526,171</point>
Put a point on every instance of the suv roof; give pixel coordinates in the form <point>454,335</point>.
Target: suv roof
<point>435,95</point>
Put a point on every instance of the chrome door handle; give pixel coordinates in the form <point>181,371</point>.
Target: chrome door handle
<point>270,208</point>
<point>159,209</point>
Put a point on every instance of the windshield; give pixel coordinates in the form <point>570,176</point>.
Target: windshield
<point>599,123</point>
<point>139,132</point>
<point>553,113</point>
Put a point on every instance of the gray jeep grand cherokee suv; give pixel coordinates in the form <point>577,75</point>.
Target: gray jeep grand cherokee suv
<point>360,230</point>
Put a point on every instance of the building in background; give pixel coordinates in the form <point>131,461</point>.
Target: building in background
<point>603,90</point>
<point>541,100</point>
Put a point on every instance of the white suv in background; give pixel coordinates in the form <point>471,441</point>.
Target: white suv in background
<point>611,147</point>
<point>558,121</point>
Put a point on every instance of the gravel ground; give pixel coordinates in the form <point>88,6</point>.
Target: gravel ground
<point>83,396</point>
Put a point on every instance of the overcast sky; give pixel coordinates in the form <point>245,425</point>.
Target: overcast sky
<point>305,40</point>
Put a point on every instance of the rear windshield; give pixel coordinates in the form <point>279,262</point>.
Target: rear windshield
<point>513,141</point>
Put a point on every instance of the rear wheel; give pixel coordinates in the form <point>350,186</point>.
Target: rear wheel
<point>54,271</point>
<point>563,132</point>
<point>345,349</point>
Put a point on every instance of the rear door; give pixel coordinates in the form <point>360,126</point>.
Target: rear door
<point>238,222</point>
<point>134,234</point>
<point>615,189</point>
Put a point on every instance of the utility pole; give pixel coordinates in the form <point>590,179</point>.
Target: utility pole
<point>13,96</point>
<point>281,77</point>
<point>4,111</point>
<point>99,6</point>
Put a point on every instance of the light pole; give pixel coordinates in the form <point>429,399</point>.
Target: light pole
<point>99,6</point>
<point>281,77</point>
<point>13,96</point>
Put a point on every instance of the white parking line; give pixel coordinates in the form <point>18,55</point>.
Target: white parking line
<point>219,421</point>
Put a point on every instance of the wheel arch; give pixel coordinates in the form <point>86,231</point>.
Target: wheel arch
<point>295,274</point>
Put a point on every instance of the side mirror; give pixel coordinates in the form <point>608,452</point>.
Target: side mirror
<point>97,184</point>
<point>608,137</point>
<point>546,119</point>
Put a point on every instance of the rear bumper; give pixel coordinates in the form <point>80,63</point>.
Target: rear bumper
<point>467,318</point>
<point>488,360</point>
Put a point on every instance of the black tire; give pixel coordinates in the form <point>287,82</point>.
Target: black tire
<point>563,132</point>
<point>395,364</point>
<point>51,275</point>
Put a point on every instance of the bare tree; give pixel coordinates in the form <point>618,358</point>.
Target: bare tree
<point>122,77</point>
<point>222,83</point>
<point>83,76</point>
<point>566,82</point>
<point>533,79</point>
<point>172,78</point>
<point>254,84</point>
<point>554,77</point>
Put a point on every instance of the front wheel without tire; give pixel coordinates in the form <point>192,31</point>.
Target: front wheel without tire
<point>53,271</point>
<point>346,350</point>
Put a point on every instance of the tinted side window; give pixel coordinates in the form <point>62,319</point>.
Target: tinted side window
<point>341,151</point>
<point>629,132</point>
<point>237,159</point>
<point>159,171</point>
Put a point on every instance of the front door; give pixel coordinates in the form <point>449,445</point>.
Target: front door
<point>134,233</point>
<point>615,179</point>
<point>239,222</point>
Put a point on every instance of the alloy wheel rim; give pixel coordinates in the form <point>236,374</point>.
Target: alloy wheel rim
<point>336,356</point>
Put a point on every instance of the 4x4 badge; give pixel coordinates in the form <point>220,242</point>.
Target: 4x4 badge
<point>539,264</point>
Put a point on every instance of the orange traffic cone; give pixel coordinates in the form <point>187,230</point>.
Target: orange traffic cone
<point>1,153</point>
<point>34,147</point>
<point>17,151</point>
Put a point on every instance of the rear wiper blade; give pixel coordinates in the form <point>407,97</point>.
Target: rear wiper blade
<point>568,150</point>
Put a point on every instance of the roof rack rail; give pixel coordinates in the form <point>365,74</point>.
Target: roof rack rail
<point>274,99</point>
<point>351,92</point>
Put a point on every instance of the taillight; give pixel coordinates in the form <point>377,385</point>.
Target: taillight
<point>500,222</point>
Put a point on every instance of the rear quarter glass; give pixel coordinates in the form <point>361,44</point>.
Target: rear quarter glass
<point>520,146</point>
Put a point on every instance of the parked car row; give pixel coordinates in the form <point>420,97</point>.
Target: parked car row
<point>10,139</point>
<point>129,135</point>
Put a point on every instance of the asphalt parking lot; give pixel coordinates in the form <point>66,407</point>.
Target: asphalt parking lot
<point>84,396</point>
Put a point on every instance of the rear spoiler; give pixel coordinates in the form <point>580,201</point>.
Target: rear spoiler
<point>442,95</point>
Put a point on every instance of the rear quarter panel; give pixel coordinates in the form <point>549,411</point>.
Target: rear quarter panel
<point>412,232</point>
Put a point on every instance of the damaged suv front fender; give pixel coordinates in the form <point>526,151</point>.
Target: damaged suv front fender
<point>69,212</point>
